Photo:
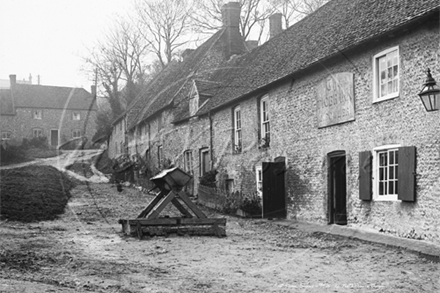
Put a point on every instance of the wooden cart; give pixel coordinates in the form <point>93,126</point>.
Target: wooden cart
<point>148,222</point>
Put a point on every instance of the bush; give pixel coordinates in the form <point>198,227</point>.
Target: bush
<point>35,142</point>
<point>11,154</point>
<point>252,206</point>
<point>208,179</point>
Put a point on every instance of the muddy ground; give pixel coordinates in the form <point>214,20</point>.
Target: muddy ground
<point>85,251</point>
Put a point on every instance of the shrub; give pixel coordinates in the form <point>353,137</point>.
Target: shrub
<point>251,205</point>
<point>208,179</point>
<point>35,142</point>
<point>11,154</point>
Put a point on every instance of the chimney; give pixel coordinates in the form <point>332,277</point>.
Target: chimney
<point>38,79</point>
<point>231,24</point>
<point>251,44</point>
<point>186,53</point>
<point>231,15</point>
<point>275,26</point>
<point>30,78</point>
<point>93,89</point>
<point>12,80</point>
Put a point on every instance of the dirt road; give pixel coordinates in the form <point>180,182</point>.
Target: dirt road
<point>84,251</point>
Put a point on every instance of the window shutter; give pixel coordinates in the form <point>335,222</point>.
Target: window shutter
<point>407,174</point>
<point>365,176</point>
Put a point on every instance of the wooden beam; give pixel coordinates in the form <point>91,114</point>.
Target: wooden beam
<point>151,205</point>
<point>176,221</point>
<point>181,208</point>
<point>191,205</point>
<point>161,205</point>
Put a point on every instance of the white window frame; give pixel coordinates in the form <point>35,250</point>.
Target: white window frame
<point>36,130</point>
<point>264,117</point>
<point>37,114</point>
<point>376,170</point>
<point>188,161</point>
<point>6,135</point>
<point>237,130</point>
<point>376,75</point>
<point>76,116</point>
<point>259,179</point>
<point>76,131</point>
<point>204,151</point>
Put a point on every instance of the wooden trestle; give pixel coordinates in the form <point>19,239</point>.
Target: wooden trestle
<point>148,222</point>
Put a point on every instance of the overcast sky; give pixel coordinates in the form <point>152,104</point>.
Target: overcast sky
<point>48,37</point>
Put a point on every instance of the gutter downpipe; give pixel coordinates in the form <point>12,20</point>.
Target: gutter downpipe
<point>211,141</point>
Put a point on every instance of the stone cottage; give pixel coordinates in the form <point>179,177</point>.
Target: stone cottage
<point>58,113</point>
<point>323,119</point>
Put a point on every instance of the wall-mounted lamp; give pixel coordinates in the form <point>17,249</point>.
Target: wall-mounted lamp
<point>430,93</point>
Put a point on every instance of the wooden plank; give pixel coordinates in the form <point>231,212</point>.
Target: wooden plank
<point>365,176</point>
<point>139,231</point>
<point>160,206</point>
<point>151,205</point>
<point>202,231</point>
<point>191,205</point>
<point>181,208</point>
<point>407,174</point>
<point>176,221</point>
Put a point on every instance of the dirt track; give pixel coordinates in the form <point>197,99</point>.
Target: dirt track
<point>84,251</point>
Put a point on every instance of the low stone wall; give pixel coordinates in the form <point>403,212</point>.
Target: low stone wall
<point>211,197</point>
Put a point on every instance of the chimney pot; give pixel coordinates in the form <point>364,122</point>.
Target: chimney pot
<point>231,15</point>
<point>93,89</point>
<point>30,78</point>
<point>13,79</point>
<point>251,44</point>
<point>275,26</point>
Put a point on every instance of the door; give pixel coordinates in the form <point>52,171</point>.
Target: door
<point>274,193</point>
<point>54,137</point>
<point>337,188</point>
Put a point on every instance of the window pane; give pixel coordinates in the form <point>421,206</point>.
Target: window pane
<point>395,187</point>
<point>396,156</point>
<point>383,77</point>
<point>383,90</point>
<point>396,70</point>
<point>381,188</point>
<point>381,174</point>
<point>381,155</point>
<point>391,172</point>
<point>391,188</point>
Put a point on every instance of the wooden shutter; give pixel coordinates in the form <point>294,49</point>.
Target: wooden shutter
<point>407,174</point>
<point>365,176</point>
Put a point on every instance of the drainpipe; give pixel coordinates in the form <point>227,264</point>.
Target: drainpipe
<point>210,141</point>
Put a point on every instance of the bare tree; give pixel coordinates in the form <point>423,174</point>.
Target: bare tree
<point>118,61</point>
<point>294,10</point>
<point>165,25</point>
<point>207,16</point>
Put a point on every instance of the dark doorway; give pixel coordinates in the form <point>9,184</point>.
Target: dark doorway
<point>54,138</point>
<point>337,188</point>
<point>274,193</point>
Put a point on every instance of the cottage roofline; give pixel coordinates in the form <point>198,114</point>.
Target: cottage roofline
<point>409,24</point>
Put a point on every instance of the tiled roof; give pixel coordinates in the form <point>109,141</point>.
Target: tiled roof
<point>52,97</point>
<point>171,86</point>
<point>6,105</point>
<point>336,26</point>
